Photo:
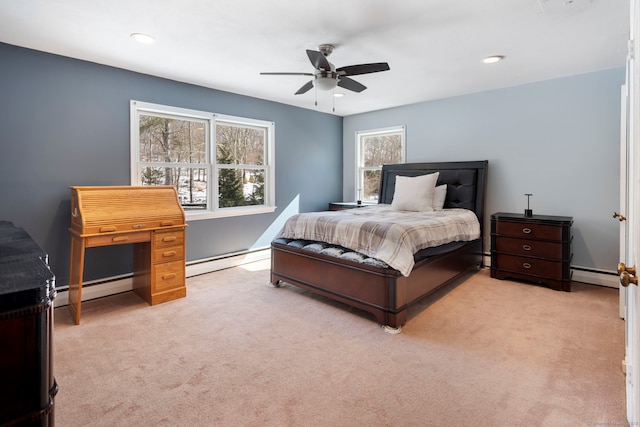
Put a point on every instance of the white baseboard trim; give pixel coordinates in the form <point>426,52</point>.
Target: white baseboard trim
<point>117,285</point>
<point>96,289</point>
<point>609,280</point>
<point>120,284</point>
<point>583,275</point>
<point>196,268</point>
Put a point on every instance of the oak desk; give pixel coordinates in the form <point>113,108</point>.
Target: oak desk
<point>150,218</point>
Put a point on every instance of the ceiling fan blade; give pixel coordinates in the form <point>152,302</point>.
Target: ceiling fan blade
<point>305,88</point>
<point>352,70</point>
<point>286,74</point>
<point>318,60</point>
<point>350,84</point>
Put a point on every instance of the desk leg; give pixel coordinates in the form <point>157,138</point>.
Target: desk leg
<point>142,255</point>
<point>76,270</point>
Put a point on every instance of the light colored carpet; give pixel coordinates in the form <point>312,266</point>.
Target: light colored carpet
<point>236,352</point>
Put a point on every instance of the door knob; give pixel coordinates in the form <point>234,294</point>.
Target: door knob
<point>626,279</point>
<point>619,216</point>
<point>627,275</point>
<point>622,268</point>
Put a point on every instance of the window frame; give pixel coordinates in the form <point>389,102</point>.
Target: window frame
<point>360,168</point>
<point>209,119</point>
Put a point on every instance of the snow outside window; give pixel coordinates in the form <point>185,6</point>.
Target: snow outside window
<point>219,165</point>
<point>374,149</point>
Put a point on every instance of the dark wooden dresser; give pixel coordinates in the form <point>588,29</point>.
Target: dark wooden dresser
<point>27,290</point>
<point>535,249</point>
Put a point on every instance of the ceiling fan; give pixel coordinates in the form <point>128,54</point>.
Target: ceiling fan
<point>326,76</point>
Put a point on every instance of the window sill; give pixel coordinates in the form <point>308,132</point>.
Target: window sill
<point>229,212</point>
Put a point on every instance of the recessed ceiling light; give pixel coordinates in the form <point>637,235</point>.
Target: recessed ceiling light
<point>493,59</point>
<point>338,95</point>
<point>142,38</point>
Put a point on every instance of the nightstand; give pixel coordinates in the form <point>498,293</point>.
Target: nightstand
<point>534,249</point>
<point>339,206</point>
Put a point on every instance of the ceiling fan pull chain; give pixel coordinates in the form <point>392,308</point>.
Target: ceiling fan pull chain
<point>333,98</point>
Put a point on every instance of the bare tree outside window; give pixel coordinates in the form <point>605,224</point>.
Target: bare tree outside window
<point>215,162</point>
<point>240,152</point>
<point>377,148</point>
<point>181,146</point>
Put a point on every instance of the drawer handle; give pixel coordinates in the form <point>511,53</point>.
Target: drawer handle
<point>166,223</point>
<point>169,239</point>
<point>138,226</point>
<point>526,230</point>
<point>526,265</point>
<point>107,229</point>
<point>169,276</point>
<point>169,254</point>
<point>526,247</point>
<point>120,239</point>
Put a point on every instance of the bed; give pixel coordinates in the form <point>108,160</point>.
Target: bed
<point>374,286</point>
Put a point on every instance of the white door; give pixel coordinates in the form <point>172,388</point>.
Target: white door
<point>632,225</point>
<point>624,177</point>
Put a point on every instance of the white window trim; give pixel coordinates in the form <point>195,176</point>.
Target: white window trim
<point>370,132</point>
<point>136,107</point>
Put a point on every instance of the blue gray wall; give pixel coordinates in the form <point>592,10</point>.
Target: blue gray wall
<point>558,139</point>
<point>66,122</point>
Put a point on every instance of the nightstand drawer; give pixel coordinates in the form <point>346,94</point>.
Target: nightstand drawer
<point>531,266</point>
<point>529,230</point>
<point>532,248</point>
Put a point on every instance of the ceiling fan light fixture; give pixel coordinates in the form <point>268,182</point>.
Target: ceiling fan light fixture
<point>493,59</point>
<point>143,38</point>
<point>325,83</point>
<point>327,77</point>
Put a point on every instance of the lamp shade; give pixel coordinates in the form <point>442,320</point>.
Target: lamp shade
<point>325,83</point>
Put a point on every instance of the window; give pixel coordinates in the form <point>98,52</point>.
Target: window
<point>374,149</point>
<point>219,165</point>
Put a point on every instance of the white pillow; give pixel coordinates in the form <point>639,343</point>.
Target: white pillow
<point>439,194</point>
<point>414,193</point>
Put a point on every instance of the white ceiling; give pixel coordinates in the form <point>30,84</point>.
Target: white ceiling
<point>434,47</point>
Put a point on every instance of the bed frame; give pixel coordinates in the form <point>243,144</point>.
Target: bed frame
<point>384,292</point>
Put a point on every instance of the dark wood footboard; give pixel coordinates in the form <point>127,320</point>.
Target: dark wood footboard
<point>385,293</point>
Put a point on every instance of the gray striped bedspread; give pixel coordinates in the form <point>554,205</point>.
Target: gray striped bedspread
<point>384,233</point>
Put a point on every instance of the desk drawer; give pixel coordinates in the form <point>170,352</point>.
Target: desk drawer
<point>169,275</point>
<point>113,226</point>
<point>533,248</point>
<point>171,253</point>
<point>529,230</point>
<point>531,266</point>
<point>118,239</point>
<point>168,238</point>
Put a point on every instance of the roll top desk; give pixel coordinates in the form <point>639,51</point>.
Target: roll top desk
<point>149,217</point>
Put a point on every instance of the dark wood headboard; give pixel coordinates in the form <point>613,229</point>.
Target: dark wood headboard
<point>466,182</point>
